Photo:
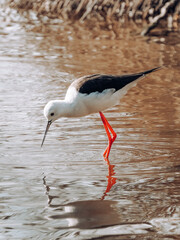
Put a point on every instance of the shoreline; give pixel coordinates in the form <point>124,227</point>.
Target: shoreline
<point>107,15</point>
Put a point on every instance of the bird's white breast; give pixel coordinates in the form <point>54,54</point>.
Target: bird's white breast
<point>84,104</point>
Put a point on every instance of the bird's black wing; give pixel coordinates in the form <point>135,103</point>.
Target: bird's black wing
<point>99,83</point>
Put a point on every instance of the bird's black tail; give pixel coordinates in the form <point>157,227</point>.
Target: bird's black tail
<point>149,71</point>
<point>122,81</point>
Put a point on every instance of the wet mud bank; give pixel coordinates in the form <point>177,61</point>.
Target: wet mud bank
<point>110,15</point>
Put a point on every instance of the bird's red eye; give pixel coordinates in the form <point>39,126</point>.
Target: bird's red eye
<point>52,114</point>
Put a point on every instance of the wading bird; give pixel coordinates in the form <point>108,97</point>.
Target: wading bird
<point>92,94</point>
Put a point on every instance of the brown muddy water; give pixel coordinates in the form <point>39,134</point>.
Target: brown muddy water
<point>66,190</point>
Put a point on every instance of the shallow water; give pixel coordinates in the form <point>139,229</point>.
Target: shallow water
<point>66,190</point>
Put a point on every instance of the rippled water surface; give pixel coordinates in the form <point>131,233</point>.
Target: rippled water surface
<point>66,190</point>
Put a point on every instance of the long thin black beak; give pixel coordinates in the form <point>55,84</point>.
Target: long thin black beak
<point>47,128</point>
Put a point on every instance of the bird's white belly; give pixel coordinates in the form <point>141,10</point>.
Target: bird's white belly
<point>94,102</point>
<point>97,102</point>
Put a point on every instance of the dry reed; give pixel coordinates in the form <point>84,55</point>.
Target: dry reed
<point>148,13</point>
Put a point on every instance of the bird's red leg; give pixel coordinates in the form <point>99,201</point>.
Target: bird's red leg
<point>109,131</point>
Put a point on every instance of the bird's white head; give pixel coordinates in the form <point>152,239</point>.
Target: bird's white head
<point>52,111</point>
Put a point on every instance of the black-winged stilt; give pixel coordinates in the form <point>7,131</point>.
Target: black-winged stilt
<point>92,94</point>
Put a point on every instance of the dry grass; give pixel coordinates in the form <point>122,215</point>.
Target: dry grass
<point>143,12</point>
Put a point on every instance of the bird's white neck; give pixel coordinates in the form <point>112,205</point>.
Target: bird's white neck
<point>63,108</point>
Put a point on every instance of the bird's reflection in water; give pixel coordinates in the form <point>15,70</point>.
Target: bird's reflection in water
<point>110,177</point>
<point>85,214</point>
<point>50,197</point>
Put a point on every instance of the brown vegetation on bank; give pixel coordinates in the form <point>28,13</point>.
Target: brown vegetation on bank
<point>146,13</point>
